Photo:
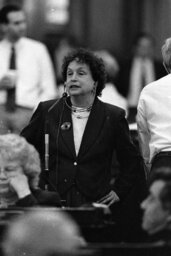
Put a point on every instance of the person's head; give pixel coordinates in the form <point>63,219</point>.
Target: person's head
<point>17,156</point>
<point>166,54</point>
<point>157,206</point>
<point>43,233</point>
<point>144,45</point>
<point>84,73</point>
<point>111,64</point>
<point>13,22</point>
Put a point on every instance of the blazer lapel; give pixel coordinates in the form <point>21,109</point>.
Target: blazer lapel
<point>62,127</point>
<point>67,134</point>
<point>93,127</point>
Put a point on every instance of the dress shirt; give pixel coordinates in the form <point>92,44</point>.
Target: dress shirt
<point>154,118</point>
<point>142,73</point>
<point>35,75</point>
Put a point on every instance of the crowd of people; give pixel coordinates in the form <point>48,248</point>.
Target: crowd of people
<point>76,149</point>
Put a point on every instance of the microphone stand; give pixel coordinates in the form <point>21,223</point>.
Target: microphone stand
<point>47,160</point>
<point>46,144</point>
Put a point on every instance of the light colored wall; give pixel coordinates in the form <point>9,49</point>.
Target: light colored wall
<point>106,24</point>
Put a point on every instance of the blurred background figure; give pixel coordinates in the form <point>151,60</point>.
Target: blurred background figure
<point>26,71</point>
<point>43,233</point>
<point>157,206</point>
<point>139,70</point>
<point>19,175</point>
<point>110,93</point>
<point>66,44</point>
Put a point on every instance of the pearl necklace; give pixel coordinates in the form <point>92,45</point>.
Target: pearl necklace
<point>76,111</point>
<point>84,114</point>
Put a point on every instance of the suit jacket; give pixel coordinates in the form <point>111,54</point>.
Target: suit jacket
<point>106,131</point>
<point>123,77</point>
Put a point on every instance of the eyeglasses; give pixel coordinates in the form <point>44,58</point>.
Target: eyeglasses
<point>8,169</point>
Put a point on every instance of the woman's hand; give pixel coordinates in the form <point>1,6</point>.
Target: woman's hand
<point>19,183</point>
<point>6,83</point>
<point>109,199</point>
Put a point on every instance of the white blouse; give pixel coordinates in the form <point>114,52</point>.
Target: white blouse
<point>79,123</point>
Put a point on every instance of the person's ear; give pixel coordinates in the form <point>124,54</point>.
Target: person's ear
<point>168,221</point>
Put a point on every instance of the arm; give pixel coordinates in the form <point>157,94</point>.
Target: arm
<point>39,197</point>
<point>27,201</point>
<point>47,76</point>
<point>143,132</point>
<point>27,197</point>
<point>34,131</point>
<point>129,158</point>
<point>19,184</point>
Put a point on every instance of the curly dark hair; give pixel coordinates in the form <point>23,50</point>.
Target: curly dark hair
<point>95,64</point>
<point>5,10</point>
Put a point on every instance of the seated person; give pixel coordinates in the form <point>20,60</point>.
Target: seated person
<point>157,206</point>
<point>19,175</point>
<point>43,234</point>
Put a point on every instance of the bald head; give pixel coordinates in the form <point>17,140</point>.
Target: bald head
<point>41,233</point>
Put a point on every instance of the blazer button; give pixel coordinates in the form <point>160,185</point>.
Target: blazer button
<point>75,163</point>
<point>65,180</point>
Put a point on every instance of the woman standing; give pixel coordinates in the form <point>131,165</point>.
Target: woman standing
<point>77,135</point>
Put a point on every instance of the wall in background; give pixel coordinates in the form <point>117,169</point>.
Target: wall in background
<point>101,24</point>
<point>157,21</point>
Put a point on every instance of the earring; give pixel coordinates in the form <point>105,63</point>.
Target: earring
<point>94,88</point>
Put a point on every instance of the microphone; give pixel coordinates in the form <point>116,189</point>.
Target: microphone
<point>46,156</point>
<point>46,152</point>
<point>64,95</point>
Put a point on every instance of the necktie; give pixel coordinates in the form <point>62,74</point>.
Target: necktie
<point>143,75</point>
<point>10,103</point>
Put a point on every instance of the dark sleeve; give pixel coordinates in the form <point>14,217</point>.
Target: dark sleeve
<point>34,131</point>
<point>27,201</point>
<point>130,160</point>
<point>39,197</point>
<point>122,79</point>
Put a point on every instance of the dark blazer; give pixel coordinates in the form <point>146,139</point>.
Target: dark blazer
<point>122,81</point>
<point>106,131</point>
